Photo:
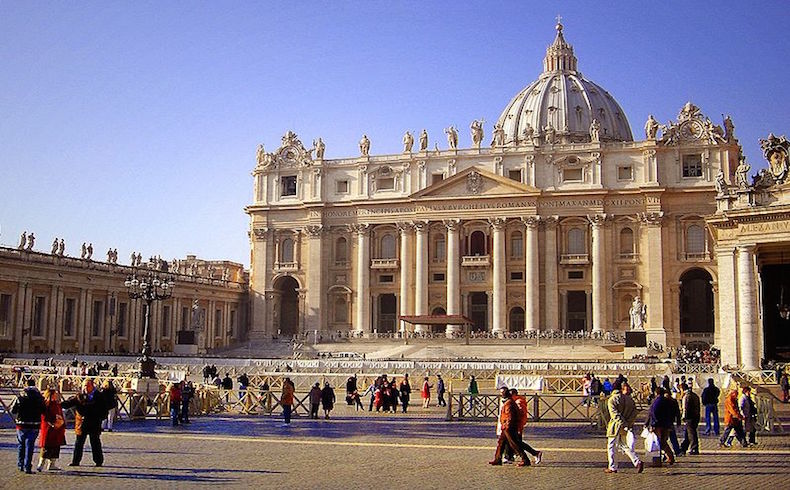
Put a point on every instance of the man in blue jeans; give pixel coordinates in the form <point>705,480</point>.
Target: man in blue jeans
<point>710,399</point>
<point>27,410</point>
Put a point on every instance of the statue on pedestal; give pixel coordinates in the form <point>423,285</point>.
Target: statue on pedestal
<point>259,156</point>
<point>452,137</point>
<point>89,251</point>
<point>364,146</point>
<point>84,251</point>
<point>721,184</point>
<point>651,128</point>
<point>595,131</point>
<point>729,129</point>
<point>742,173</point>
<point>319,148</point>
<point>61,248</point>
<point>54,247</point>
<point>424,140</point>
<point>638,314</point>
<point>528,134</point>
<point>499,136</point>
<point>31,240</point>
<point>22,240</point>
<point>477,132</point>
<point>408,142</point>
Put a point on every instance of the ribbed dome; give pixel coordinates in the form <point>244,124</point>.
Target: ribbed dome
<point>562,98</point>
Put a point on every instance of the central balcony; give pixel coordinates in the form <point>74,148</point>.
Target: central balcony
<point>575,259</point>
<point>286,266</point>
<point>383,264</point>
<point>476,260</point>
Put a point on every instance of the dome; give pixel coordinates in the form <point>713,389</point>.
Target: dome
<point>561,104</point>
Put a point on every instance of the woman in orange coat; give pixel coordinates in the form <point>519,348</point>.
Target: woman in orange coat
<point>732,421</point>
<point>52,433</point>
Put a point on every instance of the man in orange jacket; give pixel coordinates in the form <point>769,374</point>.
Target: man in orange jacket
<point>732,421</point>
<point>523,412</point>
<point>509,420</point>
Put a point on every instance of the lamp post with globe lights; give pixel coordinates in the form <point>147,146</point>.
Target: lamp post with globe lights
<point>149,288</point>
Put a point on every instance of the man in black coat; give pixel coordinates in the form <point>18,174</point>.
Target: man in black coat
<point>27,410</point>
<point>91,408</point>
<point>710,399</point>
<point>691,416</point>
<point>661,419</point>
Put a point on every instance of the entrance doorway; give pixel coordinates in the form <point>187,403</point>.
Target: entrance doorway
<point>577,311</point>
<point>696,307</point>
<point>388,306</point>
<point>289,306</point>
<point>776,304</point>
<point>478,311</point>
<point>438,328</point>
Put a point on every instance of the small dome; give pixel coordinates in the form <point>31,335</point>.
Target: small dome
<point>564,102</point>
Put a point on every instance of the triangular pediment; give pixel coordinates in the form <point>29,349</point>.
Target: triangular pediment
<point>473,182</point>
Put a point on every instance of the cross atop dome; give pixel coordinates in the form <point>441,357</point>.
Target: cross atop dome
<point>559,56</point>
<point>559,22</point>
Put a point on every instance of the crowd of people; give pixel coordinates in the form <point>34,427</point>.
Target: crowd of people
<point>686,355</point>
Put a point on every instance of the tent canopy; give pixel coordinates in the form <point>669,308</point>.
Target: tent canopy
<point>436,319</point>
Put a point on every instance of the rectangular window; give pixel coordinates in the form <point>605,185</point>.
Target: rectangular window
<point>123,314</point>
<point>232,323</point>
<point>184,318</point>
<point>692,165</point>
<point>576,275</point>
<point>572,175</point>
<point>625,173</point>
<point>98,318</point>
<point>341,187</point>
<point>289,185</point>
<point>516,276</point>
<point>68,317</point>
<point>166,321</point>
<point>218,323</point>
<point>514,175</point>
<point>436,178</point>
<point>439,250</point>
<point>516,246</point>
<point>5,313</point>
<point>39,315</point>
<point>438,277</point>
<point>385,184</point>
<point>385,278</point>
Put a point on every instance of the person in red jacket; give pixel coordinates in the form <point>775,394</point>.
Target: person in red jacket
<point>52,434</point>
<point>523,412</point>
<point>509,420</point>
<point>732,421</point>
<point>175,402</point>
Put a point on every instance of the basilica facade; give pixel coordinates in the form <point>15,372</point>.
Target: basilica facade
<point>557,221</point>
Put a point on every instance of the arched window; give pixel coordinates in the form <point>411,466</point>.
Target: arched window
<point>516,245</point>
<point>341,310</point>
<point>477,243</point>
<point>576,245</point>
<point>388,247</point>
<point>341,251</point>
<point>695,240</point>
<point>287,250</point>
<point>626,242</point>
<point>439,248</point>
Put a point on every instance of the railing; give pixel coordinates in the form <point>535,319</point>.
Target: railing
<point>384,264</point>
<point>542,407</point>
<point>475,260</point>
<point>286,266</point>
<point>760,377</point>
<point>577,259</point>
<point>693,368</point>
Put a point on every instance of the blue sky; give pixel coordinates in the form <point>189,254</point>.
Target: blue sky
<point>134,124</point>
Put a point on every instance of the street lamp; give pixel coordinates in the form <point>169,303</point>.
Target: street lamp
<point>148,288</point>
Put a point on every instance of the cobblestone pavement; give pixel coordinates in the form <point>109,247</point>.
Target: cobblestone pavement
<point>392,451</point>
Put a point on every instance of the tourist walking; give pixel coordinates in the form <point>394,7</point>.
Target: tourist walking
<point>673,435</point>
<point>405,392</point>
<point>508,423</point>
<point>327,399</point>
<point>351,384</point>
<point>27,409</point>
<point>691,417</point>
<point>110,394</point>
<point>52,432</point>
<point>620,429</point>
<point>315,400</point>
<point>523,416</point>
<point>287,400</point>
<point>660,420</point>
<point>90,410</point>
<point>440,390</point>
<point>748,411</point>
<point>426,393</point>
<point>474,391</point>
<point>732,421</point>
<point>710,399</point>
<point>175,402</point>
<point>187,393</point>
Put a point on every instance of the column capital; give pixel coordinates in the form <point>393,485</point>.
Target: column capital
<point>452,224</point>
<point>531,222</point>
<point>497,224</point>
<point>405,227</point>
<point>361,229</point>
<point>420,225</point>
<point>597,220</point>
<point>550,222</point>
<point>314,231</point>
<point>746,248</point>
<point>651,219</point>
<point>261,233</point>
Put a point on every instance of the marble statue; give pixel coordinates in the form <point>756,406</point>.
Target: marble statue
<point>729,129</point>
<point>424,140</point>
<point>61,248</point>
<point>22,240</point>
<point>452,137</point>
<point>115,256</point>
<point>31,240</point>
<point>84,251</point>
<point>638,314</point>
<point>54,247</point>
<point>499,136</point>
<point>741,173</point>
<point>528,134</point>
<point>90,251</point>
<point>260,155</point>
<point>721,184</point>
<point>669,133</point>
<point>477,132</point>
<point>550,134</point>
<point>195,314</point>
<point>595,131</point>
<point>408,142</point>
<point>132,259</point>
<point>715,133</point>
<point>651,128</point>
<point>109,256</point>
<point>319,148</point>
<point>364,146</point>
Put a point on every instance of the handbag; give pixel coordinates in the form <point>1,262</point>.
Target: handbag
<point>59,422</point>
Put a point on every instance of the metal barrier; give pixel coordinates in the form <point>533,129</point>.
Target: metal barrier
<point>542,407</point>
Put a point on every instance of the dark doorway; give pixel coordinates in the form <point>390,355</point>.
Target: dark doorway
<point>516,322</point>
<point>577,311</point>
<point>438,328</point>
<point>478,309</point>
<point>776,297</point>
<point>477,243</point>
<point>388,306</point>
<point>289,306</point>
<point>696,306</point>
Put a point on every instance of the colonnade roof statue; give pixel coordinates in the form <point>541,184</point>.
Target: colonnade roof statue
<point>562,101</point>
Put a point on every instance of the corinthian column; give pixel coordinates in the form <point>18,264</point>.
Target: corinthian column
<point>421,277</point>
<point>314,318</point>
<point>405,303</point>
<point>500,284</point>
<point>747,304</point>
<point>531,277</point>
<point>453,271</point>
<point>362,304</point>
<point>598,279</point>
<point>550,289</point>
